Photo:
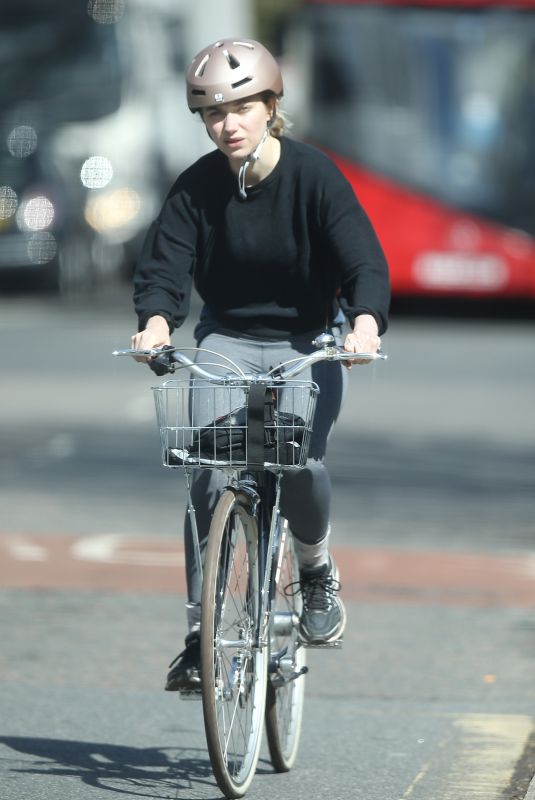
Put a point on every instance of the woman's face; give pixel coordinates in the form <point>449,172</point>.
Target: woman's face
<point>237,128</point>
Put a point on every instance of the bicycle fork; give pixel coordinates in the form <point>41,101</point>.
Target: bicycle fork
<point>278,624</point>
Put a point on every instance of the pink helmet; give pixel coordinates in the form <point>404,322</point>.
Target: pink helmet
<point>231,69</point>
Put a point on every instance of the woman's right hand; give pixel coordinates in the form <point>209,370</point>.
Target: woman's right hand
<point>156,334</point>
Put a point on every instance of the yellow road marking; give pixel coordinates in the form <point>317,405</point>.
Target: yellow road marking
<point>417,780</point>
<point>476,762</point>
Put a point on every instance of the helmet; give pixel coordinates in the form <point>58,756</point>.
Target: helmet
<point>231,69</point>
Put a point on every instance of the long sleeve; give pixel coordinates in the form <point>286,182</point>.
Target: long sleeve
<point>159,288</point>
<point>179,240</point>
<point>356,251</point>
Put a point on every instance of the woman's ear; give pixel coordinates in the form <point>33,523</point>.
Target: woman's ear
<point>272,108</point>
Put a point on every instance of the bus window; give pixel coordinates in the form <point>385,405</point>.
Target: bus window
<point>439,100</point>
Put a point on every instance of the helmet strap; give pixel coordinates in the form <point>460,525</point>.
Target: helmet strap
<point>254,156</point>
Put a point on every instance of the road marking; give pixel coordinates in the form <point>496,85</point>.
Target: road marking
<point>477,760</point>
<point>22,549</point>
<point>423,772</point>
<point>109,562</point>
<point>448,578</point>
<point>116,548</point>
<point>123,561</point>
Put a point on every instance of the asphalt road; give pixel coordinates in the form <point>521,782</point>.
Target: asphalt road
<point>432,695</point>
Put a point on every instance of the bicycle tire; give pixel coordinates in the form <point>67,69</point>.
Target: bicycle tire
<point>233,667</point>
<point>285,698</point>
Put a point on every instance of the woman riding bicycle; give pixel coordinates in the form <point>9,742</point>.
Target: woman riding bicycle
<point>279,249</point>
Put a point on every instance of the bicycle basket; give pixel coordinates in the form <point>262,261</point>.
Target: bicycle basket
<point>256,425</point>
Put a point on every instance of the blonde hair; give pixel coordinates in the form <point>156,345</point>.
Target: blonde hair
<point>280,122</point>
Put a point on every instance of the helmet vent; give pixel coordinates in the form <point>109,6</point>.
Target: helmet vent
<point>199,92</point>
<point>245,44</point>
<point>241,83</point>
<point>199,72</point>
<point>232,60</point>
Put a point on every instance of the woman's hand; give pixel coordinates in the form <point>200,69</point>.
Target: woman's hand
<point>364,338</point>
<point>156,334</point>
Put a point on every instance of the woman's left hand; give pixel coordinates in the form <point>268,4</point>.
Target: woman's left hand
<point>364,338</point>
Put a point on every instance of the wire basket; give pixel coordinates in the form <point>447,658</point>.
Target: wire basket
<point>236,424</point>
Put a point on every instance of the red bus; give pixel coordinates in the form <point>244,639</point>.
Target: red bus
<point>428,107</point>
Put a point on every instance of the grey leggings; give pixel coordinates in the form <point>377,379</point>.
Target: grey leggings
<point>305,493</point>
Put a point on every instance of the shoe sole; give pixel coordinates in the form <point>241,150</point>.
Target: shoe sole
<point>183,687</point>
<point>184,683</point>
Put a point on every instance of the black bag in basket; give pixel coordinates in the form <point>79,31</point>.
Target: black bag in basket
<point>256,435</point>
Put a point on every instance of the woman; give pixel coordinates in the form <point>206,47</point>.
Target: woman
<point>279,250</point>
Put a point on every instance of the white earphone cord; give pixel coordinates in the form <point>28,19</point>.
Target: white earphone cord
<point>254,156</point>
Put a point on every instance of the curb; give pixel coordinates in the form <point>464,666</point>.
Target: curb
<point>530,794</point>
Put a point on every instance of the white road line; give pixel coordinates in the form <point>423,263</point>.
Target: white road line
<point>116,548</point>
<point>22,549</point>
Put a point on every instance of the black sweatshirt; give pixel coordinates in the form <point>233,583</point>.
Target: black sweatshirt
<point>277,263</point>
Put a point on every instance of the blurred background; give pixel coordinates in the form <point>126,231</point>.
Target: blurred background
<point>428,108</point>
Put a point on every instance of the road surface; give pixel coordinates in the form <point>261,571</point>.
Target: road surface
<point>433,464</point>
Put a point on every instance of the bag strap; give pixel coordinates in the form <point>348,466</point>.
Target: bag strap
<point>255,426</point>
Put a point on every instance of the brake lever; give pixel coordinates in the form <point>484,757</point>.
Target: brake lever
<point>161,364</point>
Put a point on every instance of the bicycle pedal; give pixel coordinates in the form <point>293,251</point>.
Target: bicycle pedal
<point>336,645</point>
<point>195,694</point>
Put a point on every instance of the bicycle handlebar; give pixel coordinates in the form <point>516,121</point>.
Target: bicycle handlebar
<point>168,359</point>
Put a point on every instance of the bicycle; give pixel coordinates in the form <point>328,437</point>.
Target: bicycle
<point>253,661</point>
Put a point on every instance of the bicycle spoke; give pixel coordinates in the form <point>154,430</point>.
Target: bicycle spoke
<point>285,696</point>
<point>234,669</point>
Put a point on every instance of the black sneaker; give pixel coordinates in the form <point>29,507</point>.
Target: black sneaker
<point>185,673</point>
<point>323,617</point>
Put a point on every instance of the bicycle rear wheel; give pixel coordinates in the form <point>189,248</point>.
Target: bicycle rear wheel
<point>233,667</point>
<point>286,683</point>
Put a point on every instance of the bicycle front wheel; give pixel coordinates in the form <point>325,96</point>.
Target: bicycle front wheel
<point>286,683</point>
<point>233,666</point>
